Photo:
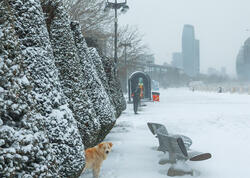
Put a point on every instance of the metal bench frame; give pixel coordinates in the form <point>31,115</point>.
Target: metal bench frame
<point>177,148</point>
<point>153,127</point>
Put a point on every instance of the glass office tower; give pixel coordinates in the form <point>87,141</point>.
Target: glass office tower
<point>197,58</point>
<point>243,62</point>
<point>190,51</point>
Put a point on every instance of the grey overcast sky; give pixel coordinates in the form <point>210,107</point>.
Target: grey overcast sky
<point>220,25</point>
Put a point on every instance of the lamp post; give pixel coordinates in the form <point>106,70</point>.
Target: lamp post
<point>126,66</point>
<point>116,5</point>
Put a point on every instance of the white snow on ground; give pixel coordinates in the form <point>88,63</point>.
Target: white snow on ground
<point>218,123</point>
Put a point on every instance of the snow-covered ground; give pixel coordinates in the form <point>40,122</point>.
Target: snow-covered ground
<point>217,123</point>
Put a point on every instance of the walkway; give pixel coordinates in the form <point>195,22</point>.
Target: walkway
<point>218,123</point>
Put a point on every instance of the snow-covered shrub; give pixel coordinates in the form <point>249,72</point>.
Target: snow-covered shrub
<point>24,149</point>
<point>54,96</point>
<point>12,81</point>
<point>93,85</point>
<point>45,104</point>
<point>97,61</point>
<point>114,84</point>
<point>70,73</point>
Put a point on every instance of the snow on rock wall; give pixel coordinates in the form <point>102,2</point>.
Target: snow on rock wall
<point>93,85</point>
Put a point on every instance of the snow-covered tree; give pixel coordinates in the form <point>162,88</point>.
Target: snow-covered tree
<point>97,61</point>
<point>93,85</point>
<point>114,85</point>
<point>24,150</point>
<point>94,21</point>
<point>111,85</point>
<point>70,72</point>
<point>44,136</point>
<point>54,95</point>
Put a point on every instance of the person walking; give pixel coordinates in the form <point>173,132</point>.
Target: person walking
<point>136,99</point>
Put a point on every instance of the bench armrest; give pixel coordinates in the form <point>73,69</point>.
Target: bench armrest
<point>187,141</point>
<point>198,156</point>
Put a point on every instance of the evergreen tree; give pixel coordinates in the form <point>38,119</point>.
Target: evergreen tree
<point>97,61</point>
<point>70,71</point>
<point>93,85</point>
<point>24,149</point>
<point>114,86</point>
<point>49,112</point>
<point>54,94</point>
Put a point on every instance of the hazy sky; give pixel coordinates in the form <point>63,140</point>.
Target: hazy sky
<point>220,25</point>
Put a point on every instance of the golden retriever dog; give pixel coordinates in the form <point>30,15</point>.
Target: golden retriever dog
<point>95,156</point>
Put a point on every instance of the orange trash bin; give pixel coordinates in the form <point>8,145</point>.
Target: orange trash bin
<point>156,96</point>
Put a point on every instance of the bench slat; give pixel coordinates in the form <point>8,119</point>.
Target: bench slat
<point>156,127</point>
<point>177,150</point>
<point>198,156</point>
<point>170,144</point>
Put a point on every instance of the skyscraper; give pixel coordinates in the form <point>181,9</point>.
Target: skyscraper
<point>243,62</point>
<point>197,58</point>
<point>190,51</point>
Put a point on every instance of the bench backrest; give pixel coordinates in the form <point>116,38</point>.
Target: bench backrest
<point>174,145</point>
<point>159,128</point>
<point>153,127</point>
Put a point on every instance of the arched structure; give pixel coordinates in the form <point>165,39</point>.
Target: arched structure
<point>133,82</point>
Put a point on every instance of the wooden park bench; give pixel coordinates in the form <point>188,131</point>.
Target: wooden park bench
<point>178,152</point>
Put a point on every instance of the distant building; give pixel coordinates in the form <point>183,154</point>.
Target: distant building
<point>223,71</point>
<point>190,51</point>
<point>197,57</point>
<point>146,58</point>
<point>177,60</point>
<point>213,71</point>
<point>166,64</point>
<point>188,48</point>
<point>243,62</point>
<point>220,73</point>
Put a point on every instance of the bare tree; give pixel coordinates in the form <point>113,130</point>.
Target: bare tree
<point>131,35</point>
<point>97,28</point>
<point>90,14</point>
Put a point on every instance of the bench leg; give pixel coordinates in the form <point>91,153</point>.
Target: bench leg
<point>177,172</point>
<point>166,160</point>
<point>163,161</point>
<point>180,169</point>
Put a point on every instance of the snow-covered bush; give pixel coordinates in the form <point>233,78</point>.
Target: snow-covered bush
<point>93,85</point>
<point>24,149</point>
<point>47,105</point>
<point>114,84</point>
<point>54,95</point>
<point>97,61</point>
<point>70,73</point>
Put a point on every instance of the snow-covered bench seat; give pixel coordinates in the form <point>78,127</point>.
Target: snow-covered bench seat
<point>178,148</point>
<point>153,127</point>
<point>178,153</point>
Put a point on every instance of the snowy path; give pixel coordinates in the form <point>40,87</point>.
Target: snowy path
<point>217,123</point>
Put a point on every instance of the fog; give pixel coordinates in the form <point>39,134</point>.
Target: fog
<point>220,25</point>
